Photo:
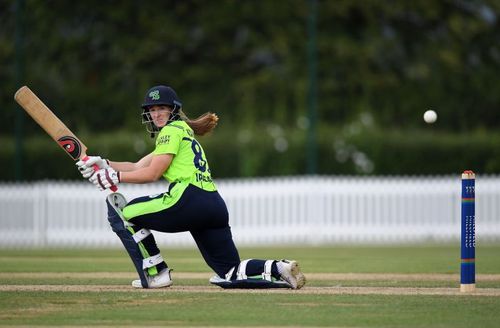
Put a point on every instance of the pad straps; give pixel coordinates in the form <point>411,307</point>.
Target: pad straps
<point>266,275</point>
<point>229,274</point>
<point>151,261</point>
<point>141,234</point>
<point>242,270</point>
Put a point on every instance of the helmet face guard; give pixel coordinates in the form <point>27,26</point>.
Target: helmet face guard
<point>148,121</point>
<point>160,95</point>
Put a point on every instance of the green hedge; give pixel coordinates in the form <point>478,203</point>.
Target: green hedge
<point>274,151</point>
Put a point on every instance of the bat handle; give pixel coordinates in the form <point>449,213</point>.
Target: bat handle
<point>96,168</point>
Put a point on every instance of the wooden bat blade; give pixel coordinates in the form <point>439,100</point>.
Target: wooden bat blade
<point>50,123</point>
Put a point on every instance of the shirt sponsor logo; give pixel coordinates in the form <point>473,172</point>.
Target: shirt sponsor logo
<point>163,140</point>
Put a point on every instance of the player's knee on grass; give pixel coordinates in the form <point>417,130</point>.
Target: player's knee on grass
<point>252,274</point>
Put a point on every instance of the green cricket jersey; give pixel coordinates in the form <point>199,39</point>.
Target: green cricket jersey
<point>189,166</point>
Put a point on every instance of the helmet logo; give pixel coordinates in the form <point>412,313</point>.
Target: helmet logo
<point>154,95</point>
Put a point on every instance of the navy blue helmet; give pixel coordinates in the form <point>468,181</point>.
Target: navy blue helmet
<point>160,95</point>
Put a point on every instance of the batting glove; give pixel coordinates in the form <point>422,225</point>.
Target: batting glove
<point>105,178</point>
<point>86,167</point>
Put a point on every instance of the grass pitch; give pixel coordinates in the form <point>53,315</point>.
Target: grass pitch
<point>379,286</point>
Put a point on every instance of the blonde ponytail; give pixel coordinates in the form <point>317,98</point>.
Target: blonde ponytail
<point>203,124</point>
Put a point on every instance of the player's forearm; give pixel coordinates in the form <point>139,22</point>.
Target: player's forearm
<point>129,166</point>
<point>123,166</point>
<point>150,168</point>
<point>143,175</point>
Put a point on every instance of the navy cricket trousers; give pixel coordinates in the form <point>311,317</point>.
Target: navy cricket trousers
<point>204,214</point>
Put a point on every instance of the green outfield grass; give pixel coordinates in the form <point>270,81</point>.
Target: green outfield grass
<point>409,267</point>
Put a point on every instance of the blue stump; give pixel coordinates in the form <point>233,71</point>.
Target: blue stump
<point>468,235</point>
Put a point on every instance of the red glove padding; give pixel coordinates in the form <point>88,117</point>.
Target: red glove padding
<point>105,178</point>
<point>86,167</point>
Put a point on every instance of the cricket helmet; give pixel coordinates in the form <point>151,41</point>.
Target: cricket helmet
<point>160,95</point>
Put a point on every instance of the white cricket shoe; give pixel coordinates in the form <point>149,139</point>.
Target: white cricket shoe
<point>290,272</point>
<point>215,279</point>
<point>162,279</point>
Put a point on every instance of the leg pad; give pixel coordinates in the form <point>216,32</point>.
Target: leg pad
<point>115,202</point>
<point>248,283</point>
<point>250,278</point>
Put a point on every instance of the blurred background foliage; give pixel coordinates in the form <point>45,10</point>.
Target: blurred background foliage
<point>380,65</point>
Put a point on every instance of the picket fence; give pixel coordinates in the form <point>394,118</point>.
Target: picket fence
<point>272,211</point>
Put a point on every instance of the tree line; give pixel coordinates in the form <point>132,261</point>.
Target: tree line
<point>380,64</point>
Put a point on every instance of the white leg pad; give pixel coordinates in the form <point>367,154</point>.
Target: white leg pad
<point>241,274</point>
<point>127,224</point>
<point>151,261</point>
<point>118,202</point>
<point>229,274</point>
<point>266,275</point>
<point>141,234</point>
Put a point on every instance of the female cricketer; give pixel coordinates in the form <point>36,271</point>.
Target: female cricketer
<point>191,203</point>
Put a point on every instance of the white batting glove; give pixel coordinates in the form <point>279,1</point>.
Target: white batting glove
<point>85,167</point>
<point>105,178</point>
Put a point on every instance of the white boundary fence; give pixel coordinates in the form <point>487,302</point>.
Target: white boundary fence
<point>292,210</point>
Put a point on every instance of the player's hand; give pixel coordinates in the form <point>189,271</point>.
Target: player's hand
<point>85,167</point>
<point>105,178</point>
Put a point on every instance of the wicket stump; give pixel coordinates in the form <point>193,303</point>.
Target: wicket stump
<point>468,235</point>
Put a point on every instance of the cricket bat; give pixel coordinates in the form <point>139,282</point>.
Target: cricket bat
<point>52,125</point>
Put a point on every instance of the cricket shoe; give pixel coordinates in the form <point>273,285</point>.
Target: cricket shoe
<point>290,272</point>
<point>162,279</point>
